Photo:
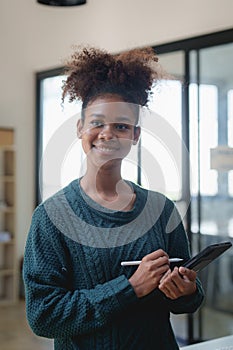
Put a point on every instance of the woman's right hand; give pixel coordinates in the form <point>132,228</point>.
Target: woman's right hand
<point>149,273</point>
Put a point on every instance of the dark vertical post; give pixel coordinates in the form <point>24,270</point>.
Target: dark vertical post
<point>186,171</point>
<point>38,137</point>
<point>139,174</point>
<point>200,326</point>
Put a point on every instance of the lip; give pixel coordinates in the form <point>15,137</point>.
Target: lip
<point>105,148</point>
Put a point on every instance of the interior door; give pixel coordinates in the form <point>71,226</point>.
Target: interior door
<point>211,153</point>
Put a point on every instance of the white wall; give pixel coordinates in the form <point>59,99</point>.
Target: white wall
<point>36,37</point>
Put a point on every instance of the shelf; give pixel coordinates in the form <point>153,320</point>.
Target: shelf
<point>7,178</point>
<point>6,272</point>
<point>11,241</point>
<point>4,148</point>
<point>6,301</point>
<point>8,253</point>
<point>7,209</point>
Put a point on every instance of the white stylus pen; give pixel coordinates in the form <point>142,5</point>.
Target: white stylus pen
<point>137,262</point>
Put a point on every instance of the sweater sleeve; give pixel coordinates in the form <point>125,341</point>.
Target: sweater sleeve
<point>178,246</point>
<point>187,304</point>
<point>53,308</point>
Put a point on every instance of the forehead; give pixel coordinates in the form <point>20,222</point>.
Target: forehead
<point>111,111</point>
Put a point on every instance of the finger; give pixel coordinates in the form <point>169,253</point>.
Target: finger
<point>178,285</point>
<point>187,284</point>
<point>168,281</point>
<point>169,291</point>
<point>156,263</point>
<point>165,276</point>
<point>174,279</point>
<point>161,261</point>
<point>155,255</point>
<point>160,271</point>
<point>178,280</point>
<point>152,265</point>
<point>190,274</point>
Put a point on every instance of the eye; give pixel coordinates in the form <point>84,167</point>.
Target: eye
<point>96,123</point>
<point>122,126</point>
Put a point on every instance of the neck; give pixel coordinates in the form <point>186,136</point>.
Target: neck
<point>107,188</point>
<point>104,181</point>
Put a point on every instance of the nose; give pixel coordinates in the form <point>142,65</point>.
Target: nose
<point>107,132</point>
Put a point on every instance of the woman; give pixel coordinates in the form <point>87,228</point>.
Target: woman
<point>77,292</point>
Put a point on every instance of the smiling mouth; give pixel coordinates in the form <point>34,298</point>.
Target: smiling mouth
<point>105,149</point>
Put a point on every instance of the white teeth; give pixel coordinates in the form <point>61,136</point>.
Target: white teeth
<point>103,149</point>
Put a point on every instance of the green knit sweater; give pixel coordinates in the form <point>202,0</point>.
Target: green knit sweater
<point>78,293</point>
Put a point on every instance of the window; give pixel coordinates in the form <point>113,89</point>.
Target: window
<point>208,121</point>
<point>56,171</point>
<point>158,147</point>
<point>230,136</point>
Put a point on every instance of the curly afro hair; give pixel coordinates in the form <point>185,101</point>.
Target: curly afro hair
<point>93,73</point>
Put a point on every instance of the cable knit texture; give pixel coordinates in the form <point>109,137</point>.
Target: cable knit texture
<point>78,293</point>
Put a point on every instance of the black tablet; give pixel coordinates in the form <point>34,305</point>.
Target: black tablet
<point>210,253</point>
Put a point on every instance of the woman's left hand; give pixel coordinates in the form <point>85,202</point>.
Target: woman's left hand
<point>179,282</point>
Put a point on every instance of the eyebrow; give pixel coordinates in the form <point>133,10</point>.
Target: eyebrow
<point>118,119</point>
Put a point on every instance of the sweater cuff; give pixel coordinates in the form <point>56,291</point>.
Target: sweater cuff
<point>123,291</point>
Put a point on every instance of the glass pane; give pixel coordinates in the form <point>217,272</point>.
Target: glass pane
<point>208,116</point>
<point>230,117</point>
<point>61,162</point>
<point>230,143</point>
<point>217,208</point>
<point>212,206</point>
<point>167,161</point>
<point>166,107</point>
<point>63,159</point>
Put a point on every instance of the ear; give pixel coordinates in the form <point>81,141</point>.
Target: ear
<point>137,133</point>
<point>79,128</point>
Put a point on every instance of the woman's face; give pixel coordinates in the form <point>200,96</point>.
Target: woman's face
<point>108,129</point>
